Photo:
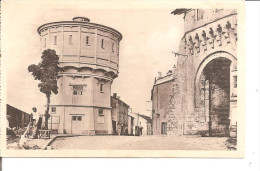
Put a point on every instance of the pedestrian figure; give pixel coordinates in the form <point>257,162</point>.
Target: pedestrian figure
<point>34,109</point>
<point>37,128</point>
<point>119,130</point>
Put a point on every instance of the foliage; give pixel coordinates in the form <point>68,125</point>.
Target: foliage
<point>47,73</point>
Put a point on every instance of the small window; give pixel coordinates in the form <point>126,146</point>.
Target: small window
<point>87,40</point>
<point>112,47</point>
<point>101,88</point>
<point>70,39</point>
<point>74,118</point>
<point>55,40</point>
<point>45,42</point>
<point>102,43</point>
<point>79,118</point>
<point>77,90</point>
<point>53,109</point>
<point>100,112</point>
<point>235,81</point>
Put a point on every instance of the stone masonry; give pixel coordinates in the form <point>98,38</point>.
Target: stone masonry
<point>203,99</point>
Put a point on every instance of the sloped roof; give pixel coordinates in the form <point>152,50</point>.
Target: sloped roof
<point>149,119</point>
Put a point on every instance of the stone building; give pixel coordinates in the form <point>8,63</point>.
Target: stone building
<point>142,124</point>
<point>120,118</point>
<point>160,97</point>
<point>89,54</point>
<point>204,92</point>
<point>203,98</point>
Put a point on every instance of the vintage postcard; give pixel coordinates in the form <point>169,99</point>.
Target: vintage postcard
<point>122,79</point>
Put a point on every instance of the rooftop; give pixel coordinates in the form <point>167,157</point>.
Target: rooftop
<point>79,21</point>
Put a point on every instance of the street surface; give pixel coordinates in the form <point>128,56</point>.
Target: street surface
<point>140,143</point>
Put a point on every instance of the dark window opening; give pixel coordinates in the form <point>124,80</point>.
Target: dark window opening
<point>79,118</point>
<point>77,90</point>
<point>101,88</point>
<point>102,43</point>
<point>100,112</point>
<point>87,40</point>
<point>112,47</point>
<point>74,118</point>
<point>53,110</point>
<point>235,81</point>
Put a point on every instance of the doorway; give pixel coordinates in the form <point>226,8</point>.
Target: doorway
<point>164,128</point>
<point>77,124</point>
<point>215,95</point>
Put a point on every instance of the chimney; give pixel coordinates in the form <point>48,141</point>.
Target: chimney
<point>114,95</point>
<point>159,74</point>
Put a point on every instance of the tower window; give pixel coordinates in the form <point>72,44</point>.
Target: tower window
<point>45,42</point>
<point>100,112</point>
<point>102,43</point>
<point>79,118</point>
<point>70,39</point>
<point>55,40</point>
<point>74,118</point>
<point>78,90</point>
<point>112,47</point>
<point>101,88</point>
<point>235,81</point>
<point>87,40</point>
<point>53,109</point>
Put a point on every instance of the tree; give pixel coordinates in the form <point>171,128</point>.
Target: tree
<point>47,72</point>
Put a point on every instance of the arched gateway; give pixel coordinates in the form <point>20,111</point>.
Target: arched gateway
<point>215,89</point>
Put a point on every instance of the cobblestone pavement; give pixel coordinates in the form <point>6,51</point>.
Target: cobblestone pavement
<point>140,143</point>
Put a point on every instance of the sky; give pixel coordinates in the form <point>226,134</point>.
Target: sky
<point>149,37</point>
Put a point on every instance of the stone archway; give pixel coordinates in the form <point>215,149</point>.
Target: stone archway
<point>213,90</point>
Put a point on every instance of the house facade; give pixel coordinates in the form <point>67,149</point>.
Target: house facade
<point>204,92</point>
<point>160,97</point>
<point>142,124</point>
<point>120,118</point>
<point>89,54</point>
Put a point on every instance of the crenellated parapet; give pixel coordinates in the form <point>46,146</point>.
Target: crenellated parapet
<point>210,37</point>
<point>204,94</point>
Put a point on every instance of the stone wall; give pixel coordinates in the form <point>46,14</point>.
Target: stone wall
<point>160,102</point>
<point>193,109</point>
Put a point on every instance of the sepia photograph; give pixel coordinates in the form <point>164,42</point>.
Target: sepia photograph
<point>124,80</point>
